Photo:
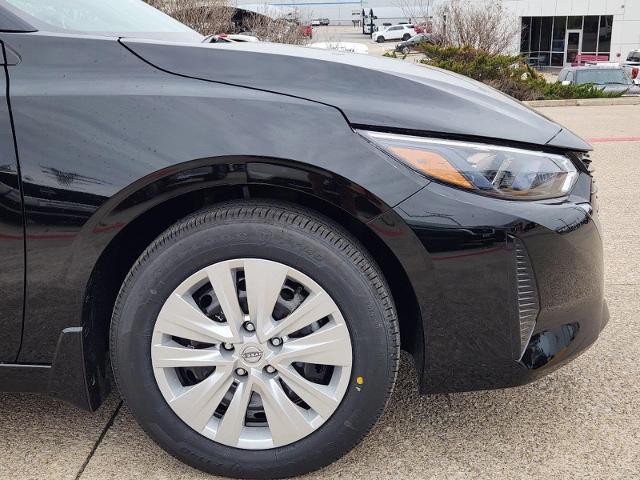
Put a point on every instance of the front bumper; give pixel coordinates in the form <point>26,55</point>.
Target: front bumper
<point>473,332</point>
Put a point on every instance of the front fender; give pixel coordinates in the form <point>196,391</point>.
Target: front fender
<point>94,141</point>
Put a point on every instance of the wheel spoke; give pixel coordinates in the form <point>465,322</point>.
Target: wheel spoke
<point>286,421</point>
<point>174,355</point>
<point>197,404</point>
<point>223,281</point>
<point>318,397</point>
<point>183,319</point>
<point>328,346</point>
<point>264,280</point>
<point>314,308</point>
<point>232,422</point>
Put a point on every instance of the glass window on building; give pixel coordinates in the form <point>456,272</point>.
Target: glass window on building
<point>559,33</point>
<point>574,23</point>
<point>590,35</point>
<point>535,34</point>
<point>604,37</point>
<point>546,28</point>
<point>525,34</point>
<point>543,40</point>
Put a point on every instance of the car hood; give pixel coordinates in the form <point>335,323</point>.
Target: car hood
<point>371,92</point>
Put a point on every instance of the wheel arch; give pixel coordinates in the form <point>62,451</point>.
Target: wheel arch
<point>138,214</point>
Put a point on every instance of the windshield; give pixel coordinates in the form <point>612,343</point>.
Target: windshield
<point>100,16</point>
<point>602,76</point>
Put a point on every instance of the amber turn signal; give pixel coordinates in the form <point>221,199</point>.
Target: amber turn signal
<point>432,164</point>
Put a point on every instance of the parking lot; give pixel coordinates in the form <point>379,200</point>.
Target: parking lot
<point>581,421</point>
<point>352,34</point>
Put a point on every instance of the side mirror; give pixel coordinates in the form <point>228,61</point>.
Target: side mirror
<point>566,82</point>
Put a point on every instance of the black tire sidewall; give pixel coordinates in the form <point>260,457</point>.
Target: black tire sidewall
<point>186,253</point>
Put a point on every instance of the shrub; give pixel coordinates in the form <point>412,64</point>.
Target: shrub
<point>507,73</point>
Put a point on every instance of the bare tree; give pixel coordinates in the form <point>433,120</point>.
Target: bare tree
<point>279,30</point>
<point>204,16</point>
<point>418,11</point>
<point>216,16</point>
<point>482,24</point>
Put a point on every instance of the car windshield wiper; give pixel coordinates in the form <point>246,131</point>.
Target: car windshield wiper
<point>615,83</point>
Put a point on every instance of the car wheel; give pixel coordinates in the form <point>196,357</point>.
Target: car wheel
<point>406,37</point>
<point>255,340</point>
<point>380,39</point>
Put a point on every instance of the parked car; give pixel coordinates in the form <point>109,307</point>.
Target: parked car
<point>633,72</point>
<point>238,37</point>
<point>232,38</point>
<point>612,79</point>
<point>317,22</point>
<point>394,32</point>
<point>306,31</point>
<point>421,28</point>
<point>248,236</point>
<point>633,58</point>
<point>414,42</point>
<point>632,66</point>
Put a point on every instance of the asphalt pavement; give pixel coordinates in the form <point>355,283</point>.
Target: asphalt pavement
<point>582,421</point>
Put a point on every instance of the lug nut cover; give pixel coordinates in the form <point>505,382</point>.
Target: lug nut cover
<point>249,327</point>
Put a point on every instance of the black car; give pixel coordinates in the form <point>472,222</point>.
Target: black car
<point>415,41</point>
<point>249,250</point>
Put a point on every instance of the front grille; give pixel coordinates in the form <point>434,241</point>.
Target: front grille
<point>585,159</point>
<point>528,304</point>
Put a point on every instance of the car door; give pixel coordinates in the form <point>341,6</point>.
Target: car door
<point>395,33</point>
<point>11,226</point>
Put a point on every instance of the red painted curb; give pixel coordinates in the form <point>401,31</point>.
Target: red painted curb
<point>613,139</point>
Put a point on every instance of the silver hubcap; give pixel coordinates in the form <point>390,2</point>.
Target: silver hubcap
<point>251,353</point>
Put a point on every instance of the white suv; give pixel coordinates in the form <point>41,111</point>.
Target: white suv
<point>394,32</point>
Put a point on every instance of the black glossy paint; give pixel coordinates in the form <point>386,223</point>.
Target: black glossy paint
<point>97,126</point>
<point>470,324</point>
<point>11,232</point>
<point>113,150</point>
<point>370,91</point>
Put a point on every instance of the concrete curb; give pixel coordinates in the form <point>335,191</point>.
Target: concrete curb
<point>585,102</point>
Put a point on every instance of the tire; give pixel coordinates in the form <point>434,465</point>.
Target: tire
<point>323,255</point>
<point>406,37</point>
<point>405,50</point>
<point>380,39</point>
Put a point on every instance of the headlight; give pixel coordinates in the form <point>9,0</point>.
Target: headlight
<point>493,170</point>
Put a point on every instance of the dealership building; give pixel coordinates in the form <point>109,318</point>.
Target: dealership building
<point>554,32</point>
